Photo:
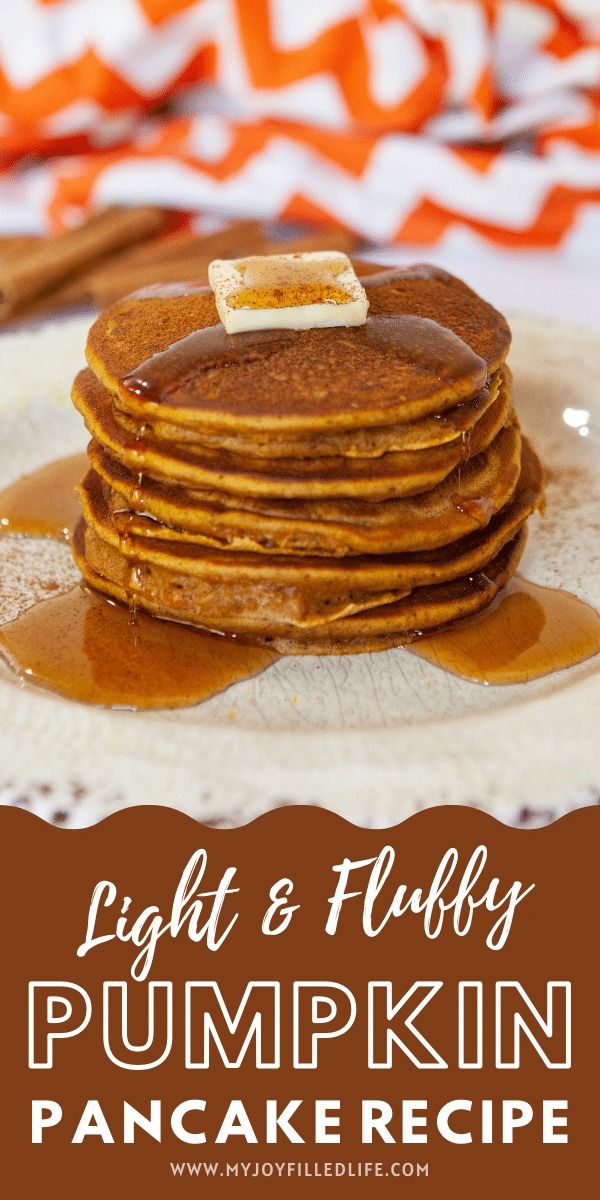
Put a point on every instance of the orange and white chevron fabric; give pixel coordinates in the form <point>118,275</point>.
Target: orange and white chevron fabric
<point>400,119</point>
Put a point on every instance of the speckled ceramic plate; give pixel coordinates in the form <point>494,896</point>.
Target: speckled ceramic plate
<point>374,737</point>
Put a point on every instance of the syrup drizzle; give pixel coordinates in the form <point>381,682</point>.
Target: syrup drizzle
<point>479,508</point>
<point>387,275</point>
<point>93,650</point>
<point>527,632</point>
<point>202,350</point>
<point>99,652</point>
<point>410,338</point>
<point>44,503</point>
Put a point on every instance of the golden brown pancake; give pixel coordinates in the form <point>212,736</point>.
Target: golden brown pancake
<point>256,591</point>
<point>181,597</point>
<point>465,501</point>
<point>401,473</point>
<point>324,491</point>
<point>449,605</point>
<point>462,556</point>
<point>429,343</point>
<point>354,443</point>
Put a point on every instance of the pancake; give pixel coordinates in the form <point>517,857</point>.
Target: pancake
<point>346,582</point>
<point>397,473</point>
<point>466,500</point>
<point>128,526</point>
<point>429,343</point>
<point>354,443</point>
<point>447,607</point>
<point>330,490</point>
<point>178,598</point>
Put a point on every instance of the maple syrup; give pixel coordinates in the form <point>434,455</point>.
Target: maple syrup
<point>386,275</point>
<point>407,337</point>
<point>479,508</point>
<point>528,632</point>
<point>96,651</point>
<point>200,351</point>
<point>44,503</point>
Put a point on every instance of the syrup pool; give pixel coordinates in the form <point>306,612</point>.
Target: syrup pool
<point>44,503</point>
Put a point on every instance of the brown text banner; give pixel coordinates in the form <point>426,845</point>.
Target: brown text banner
<point>299,1004</point>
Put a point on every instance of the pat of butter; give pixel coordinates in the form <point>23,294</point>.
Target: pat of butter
<point>287,291</point>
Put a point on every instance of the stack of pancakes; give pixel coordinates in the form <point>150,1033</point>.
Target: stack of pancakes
<point>324,491</point>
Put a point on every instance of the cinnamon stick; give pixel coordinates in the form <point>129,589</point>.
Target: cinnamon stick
<point>183,245</point>
<point>105,288</point>
<point>72,294</point>
<point>13,245</point>
<point>58,258</point>
<point>188,257</point>
<point>170,260</point>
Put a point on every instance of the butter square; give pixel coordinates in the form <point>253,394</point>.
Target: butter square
<point>310,290</point>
